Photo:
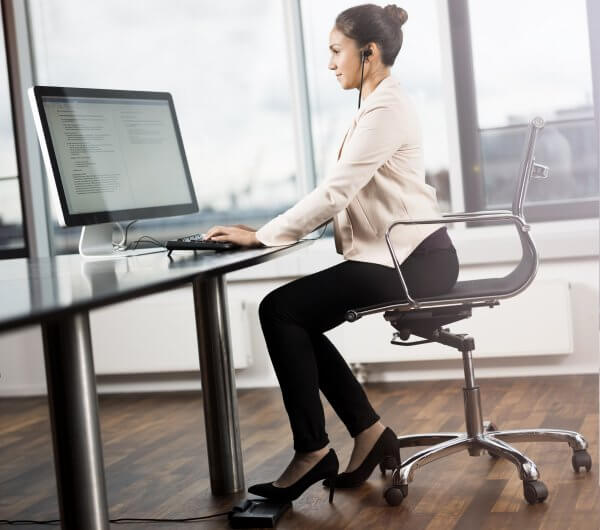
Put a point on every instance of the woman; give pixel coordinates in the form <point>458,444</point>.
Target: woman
<point>378,178</point>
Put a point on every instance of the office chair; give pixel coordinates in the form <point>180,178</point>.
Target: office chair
<point>426,317</point>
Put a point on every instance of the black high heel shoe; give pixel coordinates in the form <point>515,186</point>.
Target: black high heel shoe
<point>386,447</point>
<point>326,468</point>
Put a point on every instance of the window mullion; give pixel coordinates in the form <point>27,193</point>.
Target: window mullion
<point>307,176</point>
<point>21,77</point>
<point>593,16</point>
<point>457,199</point>
<point>466,103</point>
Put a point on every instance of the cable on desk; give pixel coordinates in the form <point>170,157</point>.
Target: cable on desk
<point>122,245</point>
<point>122,520</point>
<point>127,230</point>
<point>144,239</point>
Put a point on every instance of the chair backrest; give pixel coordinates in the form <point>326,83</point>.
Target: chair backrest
<point>518,279</point>
<point>525,271</point>
<point>528,166</point>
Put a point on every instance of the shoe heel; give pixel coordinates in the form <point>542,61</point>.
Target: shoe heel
<point>396,457</point>
<point>392,460</point>
<point>331,488</point>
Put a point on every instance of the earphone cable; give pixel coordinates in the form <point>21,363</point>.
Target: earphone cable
<point>362,74</point>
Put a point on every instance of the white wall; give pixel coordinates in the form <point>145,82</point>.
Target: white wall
<point>134,352</point>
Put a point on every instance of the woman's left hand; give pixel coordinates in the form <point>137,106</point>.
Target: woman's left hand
<point>244,237</point>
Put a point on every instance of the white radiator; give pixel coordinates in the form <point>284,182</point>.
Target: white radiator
<point>157,333</point>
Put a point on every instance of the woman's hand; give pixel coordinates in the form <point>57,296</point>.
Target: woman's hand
<point>239,234</point>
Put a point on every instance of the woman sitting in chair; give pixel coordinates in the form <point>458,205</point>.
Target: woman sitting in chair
<point>379,178</point>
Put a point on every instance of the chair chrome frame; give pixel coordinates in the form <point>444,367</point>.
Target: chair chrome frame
<point>480,436</point>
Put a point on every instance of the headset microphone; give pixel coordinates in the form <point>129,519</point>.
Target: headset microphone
<point>363,54</point>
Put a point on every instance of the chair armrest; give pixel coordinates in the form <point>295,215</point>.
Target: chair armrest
<point>483,213</point>
<point>494,216</point>
<point>505,215</point>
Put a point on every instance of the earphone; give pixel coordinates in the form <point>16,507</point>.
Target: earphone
<point>363,55</point>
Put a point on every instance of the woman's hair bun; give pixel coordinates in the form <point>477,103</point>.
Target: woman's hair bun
<point>397,13</point>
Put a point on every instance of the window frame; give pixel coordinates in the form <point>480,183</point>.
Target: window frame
<point>32,181</point>
<point>18,252</point>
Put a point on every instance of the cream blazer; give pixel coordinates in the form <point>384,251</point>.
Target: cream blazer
<point>379,178</point>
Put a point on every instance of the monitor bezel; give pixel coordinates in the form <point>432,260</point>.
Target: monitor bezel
<point>88,218</point>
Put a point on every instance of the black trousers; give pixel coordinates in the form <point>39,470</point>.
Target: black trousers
<point>295,316</point>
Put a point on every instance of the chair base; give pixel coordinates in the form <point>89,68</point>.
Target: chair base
<point>480,436</point>
<point>492,441</point>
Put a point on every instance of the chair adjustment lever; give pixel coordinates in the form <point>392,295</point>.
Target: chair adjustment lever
<point>540,171</point>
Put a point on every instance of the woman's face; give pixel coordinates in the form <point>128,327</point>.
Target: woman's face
<point>344,59</point>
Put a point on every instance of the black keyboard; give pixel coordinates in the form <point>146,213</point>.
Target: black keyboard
<point>197,242</point>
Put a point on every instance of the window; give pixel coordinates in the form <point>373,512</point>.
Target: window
<point>12,242</point>
<point>532,58</point>
<point>418,66</point>
<point>227,68</point>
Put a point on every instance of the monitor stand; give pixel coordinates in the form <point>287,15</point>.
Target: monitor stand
<point>96,243</point>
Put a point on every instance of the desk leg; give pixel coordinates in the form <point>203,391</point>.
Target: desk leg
<point>218,387</point>
<point>75,427</point>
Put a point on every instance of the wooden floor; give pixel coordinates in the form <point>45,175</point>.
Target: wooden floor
<point>156,466</point>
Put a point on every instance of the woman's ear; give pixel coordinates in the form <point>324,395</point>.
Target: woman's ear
<point>373,50</point>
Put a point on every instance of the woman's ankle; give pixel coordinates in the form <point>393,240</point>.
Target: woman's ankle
<point>299,466</point>
<point>376,429</point>
<point>311,455</point>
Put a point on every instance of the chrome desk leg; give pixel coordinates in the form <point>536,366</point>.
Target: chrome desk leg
<point>218,387</point>
<point>73,406</point>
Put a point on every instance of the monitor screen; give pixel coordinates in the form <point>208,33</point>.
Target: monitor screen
<point>114,155</point>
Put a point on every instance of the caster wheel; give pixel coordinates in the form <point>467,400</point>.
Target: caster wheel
<point>394,496</point>
<point>581,458</point>
<point>535,491</point>
<point>382,468</point>
<point>488,426</point>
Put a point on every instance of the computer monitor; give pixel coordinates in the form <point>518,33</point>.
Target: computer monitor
<point>111,155</point>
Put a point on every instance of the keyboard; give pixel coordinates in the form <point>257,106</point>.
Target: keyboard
<point>197,242</point>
